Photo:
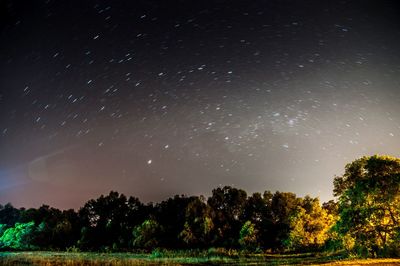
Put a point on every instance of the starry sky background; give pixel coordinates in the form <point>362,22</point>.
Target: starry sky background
<point>156,98</point>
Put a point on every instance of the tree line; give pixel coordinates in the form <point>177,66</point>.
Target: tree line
<point>363,220</point>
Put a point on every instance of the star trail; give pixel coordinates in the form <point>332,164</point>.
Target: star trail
<point>156,98</point>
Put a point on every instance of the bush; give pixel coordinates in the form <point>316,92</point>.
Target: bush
<point>19,237</point>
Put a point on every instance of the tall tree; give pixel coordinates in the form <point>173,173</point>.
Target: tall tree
<point>198,227</point>
<point>108,221</point>
<point>228,204</point>
<point>171,216</point>
<point>310,226</point>
<point>369,202</point>
<point>282,206</point>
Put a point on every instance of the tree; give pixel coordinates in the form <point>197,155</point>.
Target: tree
<point>58,229</point>
<point>146,234</point>
<point>171,216</point>
<point>282,206</point>
<point>20,237</point>
<point>248,236</point>
<point>198,227</point>
<point>254,209</point>
<point>9,215</point>
<point>108,221</point>
<point>228,204</point>
<point>310,226</point>
<point>331,207</point>
<point>3,228</point>
<point>369,203</point>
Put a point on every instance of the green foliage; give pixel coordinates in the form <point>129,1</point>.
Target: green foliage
<point>310,226</point>
<point>157,253</point>
<point>145,235</point>
<point>19,237</point>
<point>248,237</point>
<point>198,227</point>
<point>3,228</point>
<point>282,206</point>
<point>364,221</point>
<point>108,221</point>
<point>369,204</point>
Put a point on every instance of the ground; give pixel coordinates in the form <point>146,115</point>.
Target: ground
<point>130,259</point>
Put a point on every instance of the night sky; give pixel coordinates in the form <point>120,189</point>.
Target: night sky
<point>156,98</point>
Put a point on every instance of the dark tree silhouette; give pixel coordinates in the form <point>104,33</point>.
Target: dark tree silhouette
<point>367,214</point>
<point>228,204</point>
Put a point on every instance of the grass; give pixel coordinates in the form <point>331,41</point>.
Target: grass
<point>178,258</point>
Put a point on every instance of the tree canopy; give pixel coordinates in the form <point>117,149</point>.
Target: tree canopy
<point>364,220</point>
<point>369,203</point>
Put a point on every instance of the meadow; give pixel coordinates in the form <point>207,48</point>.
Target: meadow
<point>179,258</point>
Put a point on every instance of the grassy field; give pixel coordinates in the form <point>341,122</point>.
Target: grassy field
<point>125,259</point>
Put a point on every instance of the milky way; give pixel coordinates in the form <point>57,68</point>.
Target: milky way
<point>156,98</point>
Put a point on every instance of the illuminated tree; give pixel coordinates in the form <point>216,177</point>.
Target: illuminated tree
<point>20,237</point>
<point>369,202</point>
<point>248,236</point>
<point>310,226</point>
